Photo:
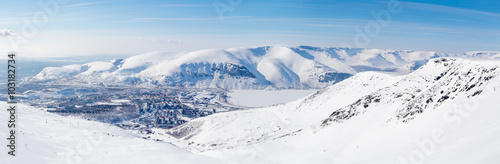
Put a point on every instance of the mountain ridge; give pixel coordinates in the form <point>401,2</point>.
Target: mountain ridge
<point>281,67</point>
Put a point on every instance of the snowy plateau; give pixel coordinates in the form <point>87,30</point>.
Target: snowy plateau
<point>374,106</point>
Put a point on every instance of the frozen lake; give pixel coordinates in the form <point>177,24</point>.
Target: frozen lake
<point>260,98</point>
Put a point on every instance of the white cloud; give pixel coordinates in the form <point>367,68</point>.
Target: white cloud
<point>5,33</point>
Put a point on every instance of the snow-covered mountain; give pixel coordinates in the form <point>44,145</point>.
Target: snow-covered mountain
<point>243,68</point>
<point>483,54</point>
<point>444,112</point>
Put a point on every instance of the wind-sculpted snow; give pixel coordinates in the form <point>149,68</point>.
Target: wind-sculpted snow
<point>281,67</point>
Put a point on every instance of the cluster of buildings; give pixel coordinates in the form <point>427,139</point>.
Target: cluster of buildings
<point>133,107</point>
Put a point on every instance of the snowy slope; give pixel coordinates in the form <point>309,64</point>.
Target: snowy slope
<point>437,114</point>
<point>275,121</point>
<point>444,112</point>
<point>46,138</point>
<point>282,67</point>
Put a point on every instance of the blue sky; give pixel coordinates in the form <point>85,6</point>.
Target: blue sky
<point>129,27</point>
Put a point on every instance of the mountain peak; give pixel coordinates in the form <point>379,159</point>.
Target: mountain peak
<point>244,68</point>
